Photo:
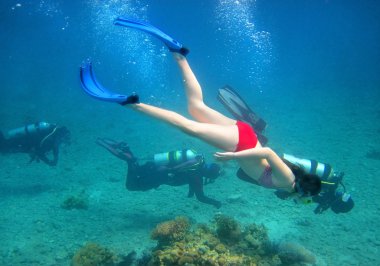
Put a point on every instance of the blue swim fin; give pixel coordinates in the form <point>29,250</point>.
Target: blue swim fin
<point>173,45</point>
<point>93,88</point>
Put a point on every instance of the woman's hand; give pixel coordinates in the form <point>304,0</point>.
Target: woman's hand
<point>224,156</point>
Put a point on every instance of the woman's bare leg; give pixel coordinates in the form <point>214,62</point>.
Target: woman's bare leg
<point>196,107</point>
<point>224,137</point>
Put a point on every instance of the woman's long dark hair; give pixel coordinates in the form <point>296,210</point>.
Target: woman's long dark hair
<point>309,184</point>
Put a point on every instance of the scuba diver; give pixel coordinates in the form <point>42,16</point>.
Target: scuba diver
<point>37,140</point>
<point>175,168</point>
<point>333,194</point>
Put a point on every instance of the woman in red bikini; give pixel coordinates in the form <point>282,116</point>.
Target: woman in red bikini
<point>239,141</point>
<point>260,165</point>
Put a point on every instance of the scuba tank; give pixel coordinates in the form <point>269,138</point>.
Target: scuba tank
<point>31,129</point>
<point>323,170</point>
<point>174,157</point>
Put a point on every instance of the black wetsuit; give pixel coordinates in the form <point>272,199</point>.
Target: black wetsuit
<point>149,176</point>
<point>332,198</point>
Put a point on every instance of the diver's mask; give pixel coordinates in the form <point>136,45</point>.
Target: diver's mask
<point>211,172</point>
<point>302,200</point>
<point>301,197</point>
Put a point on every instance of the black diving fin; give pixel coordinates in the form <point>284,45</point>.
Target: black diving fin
<point>234,103</point>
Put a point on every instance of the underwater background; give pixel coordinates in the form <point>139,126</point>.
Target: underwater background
<point>310,69</point>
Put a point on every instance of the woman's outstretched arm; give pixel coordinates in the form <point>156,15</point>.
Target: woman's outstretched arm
<point>259,153</point>
<point>276,163</point>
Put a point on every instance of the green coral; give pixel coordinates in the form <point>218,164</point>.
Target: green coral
<point>93,254</point>
<point>79,201</point>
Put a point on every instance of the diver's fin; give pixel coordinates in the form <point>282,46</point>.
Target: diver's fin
<point>93,88</point>
<point>172,44</point>
<point>233,102</point>
<point>119,149</point>
<point>239,109</point>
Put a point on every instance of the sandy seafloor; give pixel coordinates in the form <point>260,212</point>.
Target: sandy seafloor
<point>322,101</point>
<point>35,230</point>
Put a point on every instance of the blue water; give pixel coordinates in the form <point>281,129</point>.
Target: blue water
<point>309,68</point>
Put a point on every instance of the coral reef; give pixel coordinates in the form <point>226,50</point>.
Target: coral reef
<point>252,240</point>
<point>199,248</point>
<point>255,241</point>
<point>226,244</point>
<point>93,254</point>
<point>168,232</point>
<point>79,201</point>
<point>227,229</point>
